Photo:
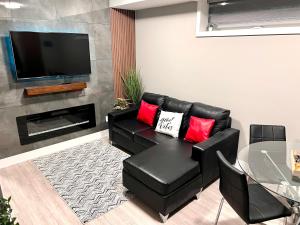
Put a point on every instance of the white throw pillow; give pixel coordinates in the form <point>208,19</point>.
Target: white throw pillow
<point>169,123</point>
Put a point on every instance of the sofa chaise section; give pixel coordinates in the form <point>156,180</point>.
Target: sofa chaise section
<point>163,176</point>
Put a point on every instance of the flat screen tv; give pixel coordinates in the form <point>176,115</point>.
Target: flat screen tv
<point>38,55</point>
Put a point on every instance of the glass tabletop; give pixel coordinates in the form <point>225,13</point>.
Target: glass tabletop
<point>269,163</point>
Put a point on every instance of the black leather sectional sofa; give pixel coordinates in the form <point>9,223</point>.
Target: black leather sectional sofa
<point>166,172</point>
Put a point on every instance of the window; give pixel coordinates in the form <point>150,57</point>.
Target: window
<point>248,17</point>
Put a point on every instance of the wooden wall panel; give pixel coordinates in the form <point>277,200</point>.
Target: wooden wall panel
<point>123,45</point>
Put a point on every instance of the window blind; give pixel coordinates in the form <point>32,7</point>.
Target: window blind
<point>242,14</point>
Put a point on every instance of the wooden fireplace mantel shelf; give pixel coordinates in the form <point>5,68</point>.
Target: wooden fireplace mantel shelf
<point>42,90</point>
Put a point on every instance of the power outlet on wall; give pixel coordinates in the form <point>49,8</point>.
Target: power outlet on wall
<point>106,119</point>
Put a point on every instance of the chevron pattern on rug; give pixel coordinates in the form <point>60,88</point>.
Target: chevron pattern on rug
<point>88,177</point>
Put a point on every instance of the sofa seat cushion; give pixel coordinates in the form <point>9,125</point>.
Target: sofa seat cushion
<point>129,127</point>
<point>164,167</point>
<point>150,137</point>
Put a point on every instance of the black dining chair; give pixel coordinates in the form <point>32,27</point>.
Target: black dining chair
<point>250,201</point>
<point>260,133</point>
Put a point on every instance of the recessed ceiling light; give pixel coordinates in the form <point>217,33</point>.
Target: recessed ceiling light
<point>223,3</point>
<point>11,5</point>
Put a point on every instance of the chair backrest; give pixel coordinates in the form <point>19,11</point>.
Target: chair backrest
<point>259,133</point>
<point>234,187</point>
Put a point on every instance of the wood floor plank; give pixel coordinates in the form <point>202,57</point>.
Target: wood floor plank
<point>35,202</point>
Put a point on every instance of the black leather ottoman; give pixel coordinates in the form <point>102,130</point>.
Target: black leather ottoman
<point>162,187</point>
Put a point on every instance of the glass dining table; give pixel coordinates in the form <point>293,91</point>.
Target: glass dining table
<point>269,163</point>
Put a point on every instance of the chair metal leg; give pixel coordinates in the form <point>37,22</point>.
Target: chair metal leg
<point>163,218</point>
<point>199,193</point>
<point>285,221</point>
<point>294,218</point>
<point>296,213</point>
<point>298,221</point>
<point>219,211</point>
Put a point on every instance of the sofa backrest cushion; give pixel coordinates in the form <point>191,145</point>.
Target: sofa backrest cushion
<point>175,105</point>
<point>154,99</point>
<point>221,116</point>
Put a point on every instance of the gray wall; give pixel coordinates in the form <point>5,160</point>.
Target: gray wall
<point>257,78</point>
<point>78,16</point>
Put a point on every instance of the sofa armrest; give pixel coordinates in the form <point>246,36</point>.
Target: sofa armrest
<point>225,141</point>
<point>122,114</point>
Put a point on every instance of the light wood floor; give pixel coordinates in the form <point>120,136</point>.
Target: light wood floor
<point>35,202</point>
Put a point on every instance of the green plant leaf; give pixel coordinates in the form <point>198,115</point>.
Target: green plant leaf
<point>5,212</point>
<point>132,85</point>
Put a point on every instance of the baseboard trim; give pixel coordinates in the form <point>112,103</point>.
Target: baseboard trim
<point>51,149</point>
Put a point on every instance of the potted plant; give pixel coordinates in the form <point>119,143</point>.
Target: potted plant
<point>5,212</point>
<point>121,104</point>
<point>132,86</point>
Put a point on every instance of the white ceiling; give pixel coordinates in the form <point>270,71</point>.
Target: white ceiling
<point>143,4</point>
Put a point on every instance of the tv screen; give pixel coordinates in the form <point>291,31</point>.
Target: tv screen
<point>50,54</point>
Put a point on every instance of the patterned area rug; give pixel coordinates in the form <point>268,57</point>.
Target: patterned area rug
<point>88,177</point>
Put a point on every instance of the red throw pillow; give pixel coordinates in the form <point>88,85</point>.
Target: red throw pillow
<point>199,129</point>
<point>147,113</point>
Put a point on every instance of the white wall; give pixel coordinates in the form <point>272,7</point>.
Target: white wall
<point>257,78</point>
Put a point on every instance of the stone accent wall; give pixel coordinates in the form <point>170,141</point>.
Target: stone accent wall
<point>75,16</point>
